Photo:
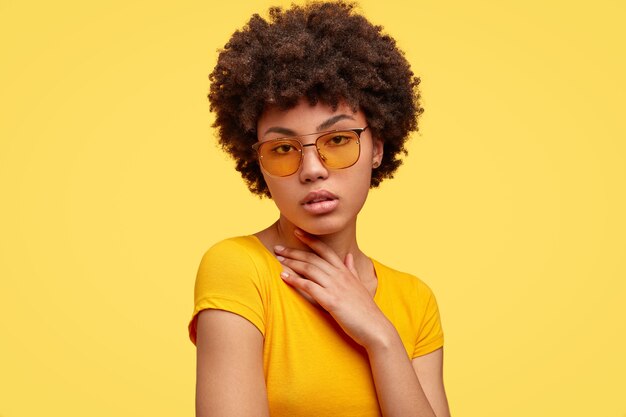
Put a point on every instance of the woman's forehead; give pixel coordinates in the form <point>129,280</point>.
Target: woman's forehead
<point>320,116</point>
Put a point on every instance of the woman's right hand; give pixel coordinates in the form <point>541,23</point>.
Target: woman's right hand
<point>335,285</point>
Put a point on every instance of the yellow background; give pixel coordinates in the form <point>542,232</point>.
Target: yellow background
<point>510,206</point>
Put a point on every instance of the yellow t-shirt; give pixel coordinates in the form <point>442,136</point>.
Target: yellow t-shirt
<point>312,368</point>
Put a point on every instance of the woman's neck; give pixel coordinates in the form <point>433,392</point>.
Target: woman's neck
<point>341,242</point>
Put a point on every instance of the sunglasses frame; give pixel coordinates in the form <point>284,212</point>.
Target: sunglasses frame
<point>357,131</point>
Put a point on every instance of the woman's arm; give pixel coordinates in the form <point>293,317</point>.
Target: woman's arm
<point>399,391</point>
<point>230,380</point>
<point>429,370</point>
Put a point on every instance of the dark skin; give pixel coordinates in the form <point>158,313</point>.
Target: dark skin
<point>298,240</point>
<point>331,271</point>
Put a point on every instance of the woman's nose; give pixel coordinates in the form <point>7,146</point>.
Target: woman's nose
<point>312,166</point>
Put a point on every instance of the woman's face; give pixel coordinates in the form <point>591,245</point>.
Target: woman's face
<point>315,198</point>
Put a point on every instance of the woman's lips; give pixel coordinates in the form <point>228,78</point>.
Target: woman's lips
<point>321,207</point>
<point>320,202</point>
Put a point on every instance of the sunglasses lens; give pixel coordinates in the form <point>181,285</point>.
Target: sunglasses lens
<point>339,149</point>
<point>280,158</point>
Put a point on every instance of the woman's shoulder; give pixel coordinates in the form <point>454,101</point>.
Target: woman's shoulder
<point>232,277</point>
<point>240,242</point>
<point>238,252</point>
<point>409,301</point>
<point>237,246</point>
<point>404,282</point>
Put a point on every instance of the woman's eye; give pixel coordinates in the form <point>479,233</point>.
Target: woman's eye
<point>283,149</point>
<point>338,140</point>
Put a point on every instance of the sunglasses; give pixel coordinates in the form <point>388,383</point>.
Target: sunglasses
<point>337,149</point>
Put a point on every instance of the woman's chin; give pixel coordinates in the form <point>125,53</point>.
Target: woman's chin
<point>323,228</point>
<point>320,225</point>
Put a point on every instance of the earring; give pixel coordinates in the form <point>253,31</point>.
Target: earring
<point>375,164</point>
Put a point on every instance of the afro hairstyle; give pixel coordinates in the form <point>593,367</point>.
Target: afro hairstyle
<point>323,52</point>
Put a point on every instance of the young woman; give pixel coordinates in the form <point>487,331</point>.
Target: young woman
<point>315,105</point>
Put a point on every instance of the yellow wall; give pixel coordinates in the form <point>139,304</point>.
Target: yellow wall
<point>511,204</point>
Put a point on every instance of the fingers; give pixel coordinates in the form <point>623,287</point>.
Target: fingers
<point>349,262</point>
<point>321,266</point>
<point>306,288</point>
<point>301,256</point>
<point>307,270</point>
<point>319,247</point>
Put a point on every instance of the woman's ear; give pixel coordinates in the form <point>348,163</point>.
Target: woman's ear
<point>377,153</point>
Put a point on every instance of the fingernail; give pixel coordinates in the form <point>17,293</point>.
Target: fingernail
<point>284,274</point>
<point>280,258</point>
<point>279,248</point>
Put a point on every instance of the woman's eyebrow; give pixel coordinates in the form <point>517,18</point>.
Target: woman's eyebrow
<point>328,123</point>
<point>325,125</point>
<point>281,130</point>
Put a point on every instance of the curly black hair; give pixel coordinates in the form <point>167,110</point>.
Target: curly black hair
<point>322,51</point>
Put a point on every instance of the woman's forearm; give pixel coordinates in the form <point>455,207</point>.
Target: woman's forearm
<point>397,386</point>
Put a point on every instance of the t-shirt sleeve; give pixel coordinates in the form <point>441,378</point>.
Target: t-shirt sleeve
<point>430,334</point>
<point>228,279</point>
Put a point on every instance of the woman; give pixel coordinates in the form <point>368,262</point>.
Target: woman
<point>315,106</point>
